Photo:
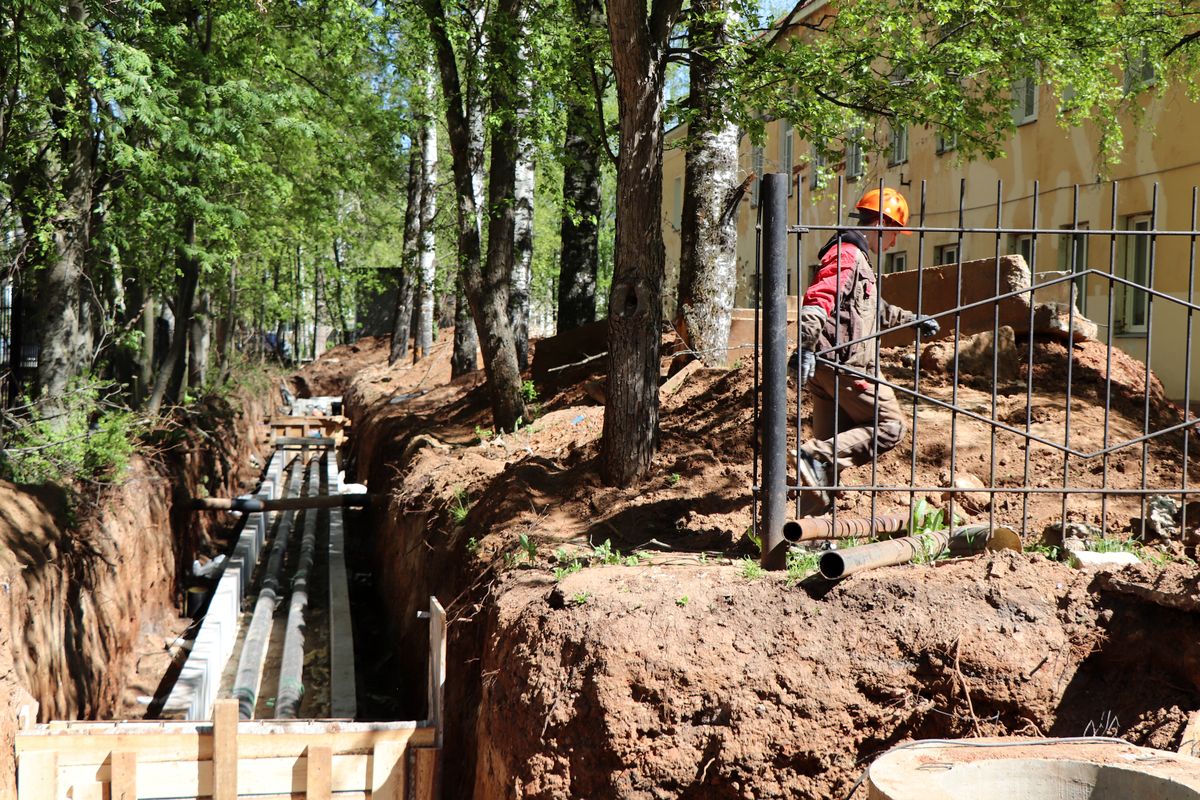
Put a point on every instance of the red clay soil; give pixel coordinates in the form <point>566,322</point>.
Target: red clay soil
<point>687,676</point>
<point>91,592</point>
<point>329,374</point>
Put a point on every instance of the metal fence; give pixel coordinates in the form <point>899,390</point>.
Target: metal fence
<point>1063,425</point>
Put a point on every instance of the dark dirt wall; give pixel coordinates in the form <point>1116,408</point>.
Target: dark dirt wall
<point>80,581</point>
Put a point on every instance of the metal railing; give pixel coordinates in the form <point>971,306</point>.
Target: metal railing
<point>1061,405</point>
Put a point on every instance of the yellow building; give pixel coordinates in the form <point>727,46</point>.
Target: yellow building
<point>1159,149</point>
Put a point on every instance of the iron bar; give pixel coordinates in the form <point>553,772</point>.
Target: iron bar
<point>1112,262</point>
<point>1149,352</point>
<point>996,353</point>
<point>837,335</point>
<point>1187,360</point>
<point>962,194</point>
<point>1066,474</point>
<point>773,197</point>
<point>878,320</point>
<point>1015,231</point>
<point>917,347</point>
<point>252,504</point>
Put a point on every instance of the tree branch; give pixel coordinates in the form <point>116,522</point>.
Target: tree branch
<point>598,91</point>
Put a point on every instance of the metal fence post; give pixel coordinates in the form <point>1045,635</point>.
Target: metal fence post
<point>773,197</point>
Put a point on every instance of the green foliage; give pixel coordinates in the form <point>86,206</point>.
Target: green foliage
<point>581,598</point>
<point>751,569</point>
<point>926,518</point>
<point>528,547</point>
<point>801,563</point>
<point>483,434</point>
<point>681,601</point>
<point>92,441</point>
<point>473,546</point>
<point>674,478</point>
<point>460,507</point>
<point>529,392</point>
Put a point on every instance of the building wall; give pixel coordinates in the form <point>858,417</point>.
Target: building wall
<point>1063,162</point>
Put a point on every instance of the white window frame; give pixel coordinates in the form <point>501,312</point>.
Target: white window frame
<point>895,262</point>
<point>787,159</point>
<point>944,254</point>
<point>1021,244</point>
<point>1025,100</point>
<point>1136,248</point>
<point>854,154</point>
<point>1139,71</point>
<point>1075,236</point>
<point>946,143</point>
<point>818,179</point>
<point>677,203</point>
<point>898,150</point>
<point>756,166</point>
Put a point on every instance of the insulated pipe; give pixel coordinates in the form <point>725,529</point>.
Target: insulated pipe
<point>774,381</point>
<point>810,528</point>
<point>291,668</point>
<point>251,504</point>
<point>967,540</point>
<point>254,648</point>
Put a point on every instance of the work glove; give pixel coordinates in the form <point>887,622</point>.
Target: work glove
<point>808,365</point>
<point>928,327</point>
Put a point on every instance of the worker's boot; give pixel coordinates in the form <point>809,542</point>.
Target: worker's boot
<point>814,472</point>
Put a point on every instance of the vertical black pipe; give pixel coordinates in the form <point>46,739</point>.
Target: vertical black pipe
<point>774,397</point>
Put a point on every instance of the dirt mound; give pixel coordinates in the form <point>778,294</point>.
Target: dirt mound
<point>682,676</point>
<point>331,374</point>
<point>657,682</point>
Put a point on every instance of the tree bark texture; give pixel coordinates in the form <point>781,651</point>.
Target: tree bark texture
<point>466,340</point>
<point>708,257</point>
<point>580,258</point>
<point>522,266</point>
<point>61,311</point>
<point>200,337</point>
<point>486,285</point>
<point>427,243</point>
<point>402,314</point>
<point>169,380</point>
<point>635,302</point>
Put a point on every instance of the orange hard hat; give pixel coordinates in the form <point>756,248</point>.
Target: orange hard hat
<point>894,207</point>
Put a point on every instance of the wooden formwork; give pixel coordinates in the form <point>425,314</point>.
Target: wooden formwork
<point>228,759</point>
<point>304,427</point>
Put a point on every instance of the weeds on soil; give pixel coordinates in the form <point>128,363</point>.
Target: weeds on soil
<point>801,564</point>
<point>751,569</point>
<point>461,506</point>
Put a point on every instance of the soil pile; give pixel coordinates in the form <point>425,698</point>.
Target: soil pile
<point>330,374</point>
<point>680,673</point>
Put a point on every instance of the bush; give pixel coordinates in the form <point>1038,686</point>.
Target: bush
<point>92,440</point>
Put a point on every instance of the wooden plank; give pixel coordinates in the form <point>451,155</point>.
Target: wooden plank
<point>255,776</point>
<point>124,776</point>
<point>425,766</point>
<point>37,776</point>
<point>79,748</point>
<point>225,750</point>
<point>342,691</point>
<point>437,667</point>
<point>319,773</point>
<point>387,772</point>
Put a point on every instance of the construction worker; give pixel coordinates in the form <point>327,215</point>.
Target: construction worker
<point>842,305</point>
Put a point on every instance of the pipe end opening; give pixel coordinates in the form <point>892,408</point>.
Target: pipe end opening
<point>792,531</point>
<point>831,565</point>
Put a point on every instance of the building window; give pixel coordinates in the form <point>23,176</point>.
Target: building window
<point>677,203</point>
<point>895,262</point>
<point>945,254</point>
<point>947,141</point>
<point>786,139</point>
<point>756,166</point>
<point>1022,245</point>
<point>1072,257</point>
<point>854,153</point>
<point>1024,93</point>
<point>1136,264</point>
<point>898,152</point>
<point>1139,70</point>
<point>819,177</point>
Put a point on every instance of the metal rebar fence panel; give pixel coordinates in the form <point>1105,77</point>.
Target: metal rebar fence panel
<point>1056,392</point>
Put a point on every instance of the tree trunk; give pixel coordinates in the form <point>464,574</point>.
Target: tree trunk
<point>466,340</point>
<point>200,333</point>
<point>402,316</point>
<point>522,267</point>
<point>61,312</point>
<point>427,252</point>
<point>486,288</point>
<point>580,230</point>
<point>708,258</point>
<point>321,316</point>
<point>580,260</point>
<point>169,379</point>
<point>635,302</point>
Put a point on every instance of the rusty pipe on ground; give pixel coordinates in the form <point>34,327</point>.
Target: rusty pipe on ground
<point>811,528</point>
<point>249,504</point>
<point>966,540</point>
